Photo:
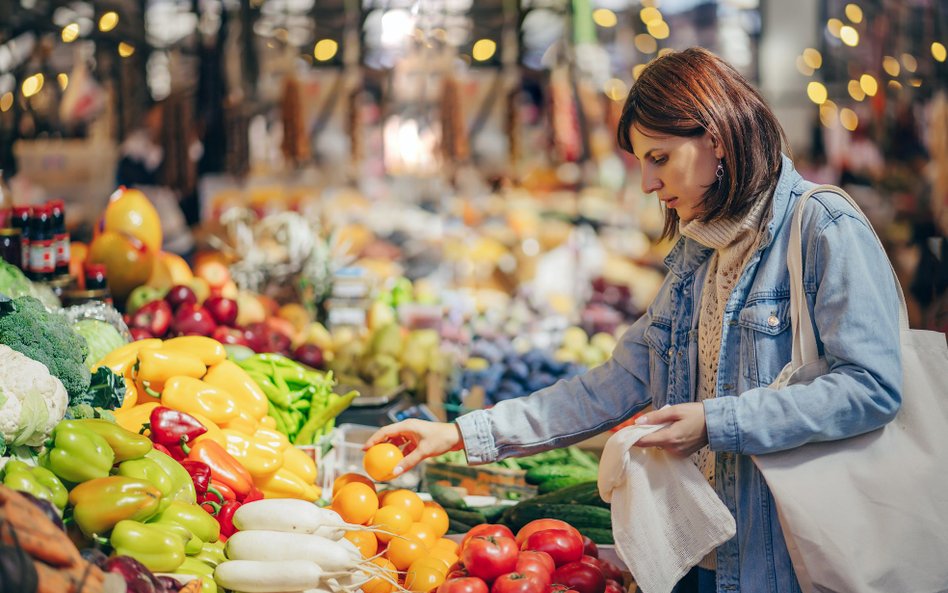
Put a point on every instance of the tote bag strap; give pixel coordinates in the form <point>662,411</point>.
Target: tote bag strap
<point>804,337</point>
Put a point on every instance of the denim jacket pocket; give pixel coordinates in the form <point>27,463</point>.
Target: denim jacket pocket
<point>658,338</point>
<point>765,339</point>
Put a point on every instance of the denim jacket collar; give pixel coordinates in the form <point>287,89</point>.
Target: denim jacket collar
<point>687,255</point>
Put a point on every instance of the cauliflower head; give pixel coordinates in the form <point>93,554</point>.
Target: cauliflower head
<point>32,401</point>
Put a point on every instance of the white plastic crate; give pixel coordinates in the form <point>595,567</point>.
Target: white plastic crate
<point>344,455</point>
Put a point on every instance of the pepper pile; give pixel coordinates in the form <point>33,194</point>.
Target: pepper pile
<point>192,375</point>
<point>122,492</point>
<point>301,399</point>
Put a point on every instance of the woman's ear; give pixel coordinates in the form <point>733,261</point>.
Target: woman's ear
<point>716,147</point>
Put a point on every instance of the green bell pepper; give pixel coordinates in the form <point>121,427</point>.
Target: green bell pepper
<point>212,553</point>
<point>125,443</point>
<point>149,470</point>
<point>205,572</point>
<point>100,503</point>
<point>192,544</point>
<point>38,481</point>
<point>77,454</point>
<point>182,485</point>
<point>198,521</point>
<point>159,549</point>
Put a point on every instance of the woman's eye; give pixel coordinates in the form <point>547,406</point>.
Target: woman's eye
<point>659,160</point>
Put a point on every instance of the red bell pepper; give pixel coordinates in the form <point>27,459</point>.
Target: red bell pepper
<point>171,428</point>
<point>200,475</point>
<point>224,468</point>
<point>163,449</point>
<point>226,518</point>
<point>254,494</point>
<point>226,492</point>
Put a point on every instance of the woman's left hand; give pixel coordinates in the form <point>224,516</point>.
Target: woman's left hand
<point>686,431</point>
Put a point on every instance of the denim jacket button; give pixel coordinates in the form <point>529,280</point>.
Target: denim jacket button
<point>772,321</point>
<point>671,351</point>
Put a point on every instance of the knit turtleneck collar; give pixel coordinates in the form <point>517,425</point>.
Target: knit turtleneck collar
<point>720,234</point>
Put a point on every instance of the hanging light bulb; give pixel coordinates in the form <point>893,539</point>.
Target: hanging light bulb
<point>834,26</point>
<point>938,51</point>
<point>849,119</point>
<point>816,91</point>
<point>70,32</point>
<point>849,35</point>
<point>828,114</point>
<point>854,13</point>
<point>813,58</point>
<point>891,66</point>
<point>855,91</point>
<point>869,84</point>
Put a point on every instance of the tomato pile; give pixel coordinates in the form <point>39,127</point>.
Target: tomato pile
<point>545,556</point>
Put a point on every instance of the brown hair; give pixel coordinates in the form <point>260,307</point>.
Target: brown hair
<point>691,92</point>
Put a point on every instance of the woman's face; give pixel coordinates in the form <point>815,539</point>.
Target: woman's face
<point>679,169</point>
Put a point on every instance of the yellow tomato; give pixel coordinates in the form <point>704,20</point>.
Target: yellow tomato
<point>366,541</point>
<point>355,503</point>
<point>392,520</point>
<point>348,479</point>
<point>423,533</point>
<point>424,575</point>
<point>448,545</point>
<point>435,517</point>
<point>403,551</point>
<point>407,500</point>
<point>384,583</point>
<point>380,461</point>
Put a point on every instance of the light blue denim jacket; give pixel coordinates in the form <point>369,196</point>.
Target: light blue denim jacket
<point>853,301</point>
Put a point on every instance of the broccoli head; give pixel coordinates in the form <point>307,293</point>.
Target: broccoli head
<point>27,327</point>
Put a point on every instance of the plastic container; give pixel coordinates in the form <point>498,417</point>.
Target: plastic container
<point>343,454</point>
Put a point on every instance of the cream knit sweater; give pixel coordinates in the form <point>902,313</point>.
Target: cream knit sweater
<point>733,242</point>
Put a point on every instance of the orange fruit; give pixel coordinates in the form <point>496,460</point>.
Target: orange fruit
<point>403,551</point>
<point>407,500</point>
<point>355,503</point>
<point>378,584</point>
<point>131,212</point>
<point>366,541</point>
<point>348,479</point>
<point>393,520</point>
<point>128,261</point>
<point>423,533</point>
<point>435,516</point>
<point>380,461</point>
<point>425,574</point>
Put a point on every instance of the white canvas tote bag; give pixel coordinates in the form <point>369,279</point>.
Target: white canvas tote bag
<point>867,514</point>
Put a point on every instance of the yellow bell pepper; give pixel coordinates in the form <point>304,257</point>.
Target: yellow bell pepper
<point>257,456</point>
<point>243,422</point>
<point>235,380</point>
<point>125,357</point>
<point>207,350</point>
<point>145,391</point>
<point>132,418</point>
<point>214,432</point>
<point>131,394</point>
<point>285,484</point>
<point>159,365</point>
<point>298,462</point>
<point>274,438</point>
<point>187,394</point>
<point>268,422</point>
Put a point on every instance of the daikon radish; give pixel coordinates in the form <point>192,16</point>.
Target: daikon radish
<point>291,515</point>
<point>253,576</point>
<point>258,544</point>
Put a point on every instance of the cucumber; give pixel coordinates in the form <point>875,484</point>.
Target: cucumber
<point>447,497</point>
<point>582,493</point>
<point>599,536</point>
<point>493,512</point>
<point>471,517</point>
<point>456,527</point>
<point>555,484</point>
<point>579,516</point>
<point>538,475</point>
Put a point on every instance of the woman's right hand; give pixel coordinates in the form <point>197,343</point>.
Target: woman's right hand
<point>421,439</point>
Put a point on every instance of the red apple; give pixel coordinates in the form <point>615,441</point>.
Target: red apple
<point>222,309</point>
<point>193,320</point>
<point>140,333</point>
<point>179,295</point>
<point>309,354</point>
<point>229,335</point>
<point>154,316</point>
<point>262,338</point>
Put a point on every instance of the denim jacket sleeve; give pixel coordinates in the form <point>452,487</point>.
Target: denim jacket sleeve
<point>566,412</point>
<point>854,305</point>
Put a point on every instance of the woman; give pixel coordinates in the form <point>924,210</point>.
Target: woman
<point>718,332</point>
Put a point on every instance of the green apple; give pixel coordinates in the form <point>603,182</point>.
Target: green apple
<point>141,295</point>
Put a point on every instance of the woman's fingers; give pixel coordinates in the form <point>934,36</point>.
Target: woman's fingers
<point>395,433</point>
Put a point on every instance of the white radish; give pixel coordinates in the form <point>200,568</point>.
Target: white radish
<point>253,576</point>
<point>291,515</point>
<point>331,556</point>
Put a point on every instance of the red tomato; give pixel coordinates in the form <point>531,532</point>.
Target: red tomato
<point>614,587</point>
<point>515,582</point>
<point>581,577</point>
<point>541,525</point>
<point>489,557</point>
<point>463,585</point>
<point>589,547</point>
<point>607,569</point>
<point>486,530</point>
<point>532,561</point>
<point>562,545</point>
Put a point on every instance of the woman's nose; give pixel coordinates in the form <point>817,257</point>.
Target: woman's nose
<point>650,183</point>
